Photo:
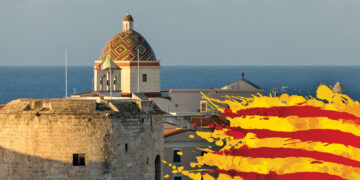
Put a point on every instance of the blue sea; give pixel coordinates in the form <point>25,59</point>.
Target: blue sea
<point>37,82</point>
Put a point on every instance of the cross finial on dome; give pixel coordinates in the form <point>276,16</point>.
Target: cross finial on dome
<point>126,11</point>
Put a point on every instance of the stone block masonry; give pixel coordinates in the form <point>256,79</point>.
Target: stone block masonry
<point>44,139</point>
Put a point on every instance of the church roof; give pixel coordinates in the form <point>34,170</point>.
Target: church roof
<point>174,131</point>
<point>242,84</point>
<point>112,65</point>
<point>127,44</point>
<point>124,47</point>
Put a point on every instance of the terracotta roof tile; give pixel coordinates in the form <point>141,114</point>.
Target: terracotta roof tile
<point>174,131</point>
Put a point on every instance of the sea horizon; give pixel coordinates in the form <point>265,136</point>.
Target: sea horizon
<point>190,65</point>
<point>49,81</point>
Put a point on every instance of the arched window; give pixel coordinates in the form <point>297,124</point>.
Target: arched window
<point>101,84</point>
<point>115,83</point>
<point>107,82</point>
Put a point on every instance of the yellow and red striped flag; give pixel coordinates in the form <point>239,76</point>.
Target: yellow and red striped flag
<point>286,137</point>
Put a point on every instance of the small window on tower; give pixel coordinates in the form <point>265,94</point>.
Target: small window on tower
<point>108,81</point>
<point>115,83</point>
<point>203,106</point>
<point>101,84</point>
<point>144,78</point>
<point>78,159</point>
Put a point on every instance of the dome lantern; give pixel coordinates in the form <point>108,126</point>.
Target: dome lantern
<point>128,22</point>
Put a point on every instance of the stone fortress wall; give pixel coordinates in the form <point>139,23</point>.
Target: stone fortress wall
<point>120,139</point>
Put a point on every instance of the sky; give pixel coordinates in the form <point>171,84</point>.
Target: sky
<point>184,32</point>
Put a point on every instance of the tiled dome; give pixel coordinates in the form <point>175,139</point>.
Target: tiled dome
<point>124,47</point>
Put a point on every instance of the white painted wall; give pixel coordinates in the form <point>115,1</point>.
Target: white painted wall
<point>188,100</point>
<point>127,25</point>
<point>129,81</point>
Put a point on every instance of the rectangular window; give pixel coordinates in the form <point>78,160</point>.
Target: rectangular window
<point>126,147</point>
<point>144,78</point>
<point>203,106</point>
<point>78,159</point>
<point>177,177</point>
<point>177,157</point>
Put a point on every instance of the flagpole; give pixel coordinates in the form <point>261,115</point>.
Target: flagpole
<point>138,69</point>
<point>66,62</point>
<point>110,81</point>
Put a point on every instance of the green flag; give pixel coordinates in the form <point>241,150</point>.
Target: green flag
<point>107,62</point>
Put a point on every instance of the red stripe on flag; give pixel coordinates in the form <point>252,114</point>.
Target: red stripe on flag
<point>274,176</point>
<point>320,135</point>
<point>288,152</point>
<point>299,111</point>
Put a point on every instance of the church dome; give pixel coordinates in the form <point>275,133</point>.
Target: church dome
<point>125,44</point>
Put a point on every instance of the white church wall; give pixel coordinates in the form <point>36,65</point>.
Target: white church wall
<point>130,79</point>
<point>95,81</point>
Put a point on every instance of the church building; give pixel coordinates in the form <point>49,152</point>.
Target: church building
<point>128,65</point>
<point>133,66</point>
<point>128,68</point>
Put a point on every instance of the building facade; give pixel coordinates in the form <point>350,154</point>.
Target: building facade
<point>80,139</point>
<point>177,140</point>
<point>191,101</point>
